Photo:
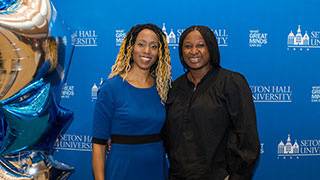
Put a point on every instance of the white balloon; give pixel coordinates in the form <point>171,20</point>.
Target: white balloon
<point>31,18</point>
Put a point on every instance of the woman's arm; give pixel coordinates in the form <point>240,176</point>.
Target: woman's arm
<point>98,161</point>
<point>243,140</point>
<point>102,117</point>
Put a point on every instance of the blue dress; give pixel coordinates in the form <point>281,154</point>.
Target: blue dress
<point>123,109</point>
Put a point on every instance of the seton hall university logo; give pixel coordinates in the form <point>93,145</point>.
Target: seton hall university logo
<point>288,149</point>
<point>305,147</point>
<point>300,41</point>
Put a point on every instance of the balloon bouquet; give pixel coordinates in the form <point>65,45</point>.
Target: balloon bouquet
<point>33,67</point>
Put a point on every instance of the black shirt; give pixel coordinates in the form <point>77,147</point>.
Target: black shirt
<point>210,131</point>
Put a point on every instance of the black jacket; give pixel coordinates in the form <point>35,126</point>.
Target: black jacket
<point>210,131</point>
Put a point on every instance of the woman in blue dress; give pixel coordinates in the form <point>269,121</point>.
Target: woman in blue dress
<point>129,112</point>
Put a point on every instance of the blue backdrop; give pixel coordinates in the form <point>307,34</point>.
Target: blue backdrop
<point>275,44</point>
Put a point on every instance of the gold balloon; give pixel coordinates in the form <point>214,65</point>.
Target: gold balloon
<point>24,45</point>
<point>18,63</point>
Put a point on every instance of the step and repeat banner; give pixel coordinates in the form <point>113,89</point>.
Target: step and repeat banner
<point>275,44</point>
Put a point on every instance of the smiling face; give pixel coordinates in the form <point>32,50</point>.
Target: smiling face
<point>195,51</point>
<point>145,49</point>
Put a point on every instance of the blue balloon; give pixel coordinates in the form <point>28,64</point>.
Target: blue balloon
<point>34,119</point>
<point>5,4</point>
